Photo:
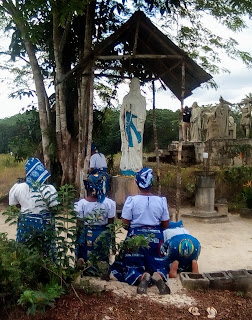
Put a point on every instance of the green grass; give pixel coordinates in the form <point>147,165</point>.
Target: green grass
<point>10,170</point>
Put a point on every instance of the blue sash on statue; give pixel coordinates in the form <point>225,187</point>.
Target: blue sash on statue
<point>130,125</point>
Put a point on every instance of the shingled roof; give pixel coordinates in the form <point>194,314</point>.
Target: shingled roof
<point>138,48</point>
<point>146,51</point>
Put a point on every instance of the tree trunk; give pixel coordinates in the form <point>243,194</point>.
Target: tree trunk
<point>85,105</point>
<point>44,115</point>
<point>63,137</point>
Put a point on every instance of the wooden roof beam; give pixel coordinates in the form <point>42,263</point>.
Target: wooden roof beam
<point>139,56</point>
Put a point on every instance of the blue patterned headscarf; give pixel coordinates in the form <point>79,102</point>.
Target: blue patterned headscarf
<point>35,172</point>
<point>144,178</point>
<point>97,184</point>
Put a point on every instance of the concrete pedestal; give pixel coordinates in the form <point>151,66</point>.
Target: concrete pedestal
<point>121,188</point>
<point>204,200</point>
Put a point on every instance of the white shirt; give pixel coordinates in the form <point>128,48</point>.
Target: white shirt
<point>169,233</point>
<point>98,160</point>
<point>32,201</point>
<point>144,210</point>
<point>98,212</point>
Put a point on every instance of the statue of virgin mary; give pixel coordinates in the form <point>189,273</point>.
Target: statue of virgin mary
<point>132,119</point>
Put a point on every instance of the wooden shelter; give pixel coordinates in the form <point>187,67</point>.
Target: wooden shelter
<point>139,48</point>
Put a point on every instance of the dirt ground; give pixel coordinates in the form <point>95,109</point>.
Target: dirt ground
<point>225,246</point>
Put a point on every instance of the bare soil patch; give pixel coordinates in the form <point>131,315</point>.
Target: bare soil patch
<point>106,306</point>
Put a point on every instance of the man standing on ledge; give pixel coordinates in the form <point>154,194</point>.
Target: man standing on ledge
<point>186,124</point>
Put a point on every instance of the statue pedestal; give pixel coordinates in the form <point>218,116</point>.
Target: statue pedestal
<point>204,200</point>
<point>121,188</point>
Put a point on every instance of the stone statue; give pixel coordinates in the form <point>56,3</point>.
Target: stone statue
<point>246,116</point>
<point>209,124</point>
<point>222,118</point>
<point>195,120</point>
<point>232,128</point>
<point>132,119</point>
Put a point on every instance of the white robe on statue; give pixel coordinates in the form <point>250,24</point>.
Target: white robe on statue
<point>195,123</point>
<point>132,119</point>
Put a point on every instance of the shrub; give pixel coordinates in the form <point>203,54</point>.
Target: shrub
<point>25,271</point>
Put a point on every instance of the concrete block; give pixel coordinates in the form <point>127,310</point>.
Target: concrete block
<point>241,279</point>
<point>222,208</point>
<point>219,280</point>
<point>194,281</point>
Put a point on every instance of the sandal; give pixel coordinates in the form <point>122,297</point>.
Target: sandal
<point>212,312</point>
<point>144,283</point>
<point>159,282</point>
<point>194,311</point>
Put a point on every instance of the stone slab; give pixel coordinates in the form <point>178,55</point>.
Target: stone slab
<point>207,217</point>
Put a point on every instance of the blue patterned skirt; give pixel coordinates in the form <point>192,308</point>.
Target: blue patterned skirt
<point>129,266</point>
<point>92,241</point>
<point>37,229</point>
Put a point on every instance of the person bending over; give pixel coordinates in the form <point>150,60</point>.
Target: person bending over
<point>180,249</point>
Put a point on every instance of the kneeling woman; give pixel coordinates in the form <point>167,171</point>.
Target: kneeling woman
<point>144,214</point>
<point>94,213</point>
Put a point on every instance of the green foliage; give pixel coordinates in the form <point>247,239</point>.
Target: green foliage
<point>230,184</point>
<point>237,175</point>
<point>199,41</point>
<point>28,138</point>
<point>88,288</point>
<point>21,135</point>
<point>9,162</point>
<point>20,269</point>
<point>47,274</point>
<point>107,137</point>
<point>169,182</point>
<point>106,133</point>
<point>8,130</point>
<point>35,300</point>
<point>12,213</point>
<point>247,190</point>
<point>167,129</point>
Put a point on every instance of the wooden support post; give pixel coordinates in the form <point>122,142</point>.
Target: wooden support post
<point>156,137</point>
<point>178,191</point>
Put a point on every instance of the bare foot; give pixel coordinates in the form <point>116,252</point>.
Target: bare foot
<point>195,268</point>
<point>174,269</point>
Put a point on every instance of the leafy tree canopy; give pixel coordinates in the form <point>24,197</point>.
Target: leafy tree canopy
<point>187,17</point>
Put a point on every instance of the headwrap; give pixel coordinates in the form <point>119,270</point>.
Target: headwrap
<point>93,147</point>
<point>35,172</point>
<point>97,184</point>
<point>144,178</point>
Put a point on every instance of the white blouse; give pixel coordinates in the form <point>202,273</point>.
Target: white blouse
<point>144,210</point>
<point>32,201</point>
<point>99,213</point>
